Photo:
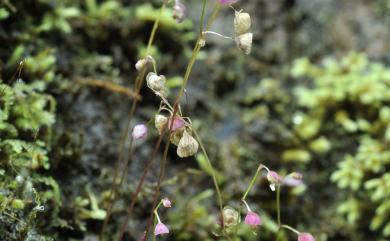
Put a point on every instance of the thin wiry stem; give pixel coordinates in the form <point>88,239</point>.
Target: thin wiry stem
<point>138,85</point>
<point>139,187</point>
<point>158,186</point>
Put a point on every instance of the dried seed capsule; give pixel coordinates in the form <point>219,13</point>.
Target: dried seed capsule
<point>230,216</point>
<point>242,23</point>
<point>188,146</point>
<point>159,122</point>
<point>156,83</point>
<point>244,42</point>
<point>176,136</point>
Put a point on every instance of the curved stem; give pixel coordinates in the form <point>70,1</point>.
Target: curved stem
<point>290,228</point>
<point>219,196</point>
<point>252,182</point>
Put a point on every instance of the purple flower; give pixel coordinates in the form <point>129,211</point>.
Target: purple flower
<point>305,237</point>
<point>179,12</point>
<point>293,179</point>
<point>160,229</point>
<point>252,219</point>
<point>274,177</point>
<point>227,2</point>
<point>178,123</point>
<point>139,132</point>
<point>166,202</point>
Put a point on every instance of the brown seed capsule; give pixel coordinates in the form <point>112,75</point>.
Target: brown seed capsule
<point>244,42</point>
<point>242,23</point>
<point>160,122</point>
<point>188,146</point>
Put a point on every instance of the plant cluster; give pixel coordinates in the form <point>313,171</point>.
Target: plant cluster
<point>349,101</point>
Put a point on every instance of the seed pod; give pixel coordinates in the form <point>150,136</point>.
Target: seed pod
<point>159,122</point>
<point>156,83</point>
<point>188,146</point>
<point>142,63</point>
<point>230,216</point>
<point>244,42</point>
<point>242,23</point>
<point>176,136</point>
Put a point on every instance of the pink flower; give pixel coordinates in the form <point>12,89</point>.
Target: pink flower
<point>293,179</point>
<point>139,132</point>
<point>166,202</point>
<point>274,177</point>
<point>305,237</point>
<point>252,219</point>
<point>160,229</point>
<point>178,123</point>
<point>227,2</point>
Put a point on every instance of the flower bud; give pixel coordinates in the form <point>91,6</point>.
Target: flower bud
<point>244,42</point>
<point>179,12</point>
<point>188,146</point>
<point>305,237</point>
<point>156,82</point>
<point>142,63</point>
<point>159,122</point>
<point>242,23</point>
<point>160,229</point>
<point>293,179</point>
<point>230,216</point>
<point>252,219</point>
<point>166,202</point>
<point>178,123</point>
<point>274,179</point>
<point>139,132</point>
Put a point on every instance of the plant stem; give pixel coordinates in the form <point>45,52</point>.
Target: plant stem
<point>138,189</point>
<point>278,203</point>
<point>138,85</point>
<point>219,196</point>
<point>157,190</point>
<point>202,17</point>
<point>252,182</point>
<point>290,228</point>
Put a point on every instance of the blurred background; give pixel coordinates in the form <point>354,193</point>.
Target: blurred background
<point>313,97</point>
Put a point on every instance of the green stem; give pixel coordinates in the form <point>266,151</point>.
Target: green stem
<point>202,17</point>
<point>154,30</point>
<point>219,196</point>
<point>252,182</point>
<point>290,228</point>
<point>278,203</point>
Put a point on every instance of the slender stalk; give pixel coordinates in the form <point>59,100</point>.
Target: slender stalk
<point>139,187</point>
<point>158,186</point>
<point>290,228</point>
<point>278,204</point>
<point>219,196</point>
<point>252,182</point>
<point>202,16</point>
<point>138,85</point>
